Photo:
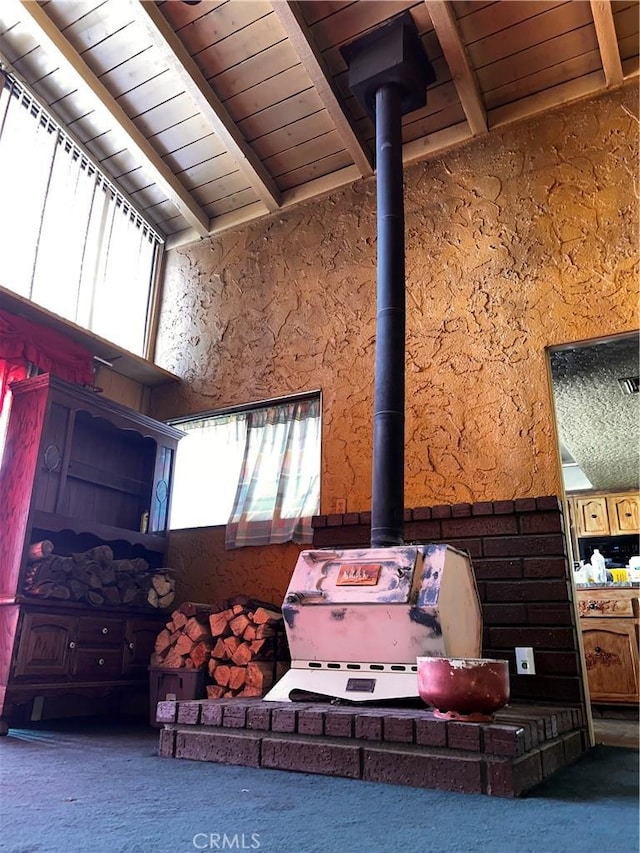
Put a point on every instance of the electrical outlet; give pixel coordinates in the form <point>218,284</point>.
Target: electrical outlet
<point>341,505</point>
<point>525,663</point>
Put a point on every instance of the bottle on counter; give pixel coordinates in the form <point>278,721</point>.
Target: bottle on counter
<point>599,567</point>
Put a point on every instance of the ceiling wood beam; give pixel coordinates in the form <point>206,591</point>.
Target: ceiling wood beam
<point>607,41</point>
<point>464,77</point>
<point>301,38</point>
<point>174,53</point>
<point>70,60</point>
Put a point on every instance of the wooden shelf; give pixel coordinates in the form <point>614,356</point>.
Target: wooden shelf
<point>122,361</point>
<point>57,523</point>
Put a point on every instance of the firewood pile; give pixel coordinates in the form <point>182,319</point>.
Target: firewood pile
<point>95,577</point>
<point>239,641</point>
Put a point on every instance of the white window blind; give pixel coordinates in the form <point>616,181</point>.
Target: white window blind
<point>69,241</point>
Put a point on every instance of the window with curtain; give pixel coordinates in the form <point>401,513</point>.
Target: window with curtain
<point>69,241</point>
<point>256,470</point>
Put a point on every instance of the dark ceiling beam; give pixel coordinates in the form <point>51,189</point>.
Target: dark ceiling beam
<point>607,41</point>
<point>464,78</point>
<point>301,38</point>
<point>174,53</point>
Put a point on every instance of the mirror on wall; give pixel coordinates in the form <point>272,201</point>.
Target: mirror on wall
<point>597,406</point>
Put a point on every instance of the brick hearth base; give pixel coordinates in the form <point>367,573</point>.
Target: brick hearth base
<point>406,746</point>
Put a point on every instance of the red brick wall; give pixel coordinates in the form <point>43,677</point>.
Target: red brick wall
<point>519,556</point>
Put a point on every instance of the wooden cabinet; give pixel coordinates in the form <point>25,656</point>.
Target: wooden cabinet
<point>606,514</point>
<point>624,514</point>
<point>609,625</point>
<point>80,471</point>
<point>591,516</point>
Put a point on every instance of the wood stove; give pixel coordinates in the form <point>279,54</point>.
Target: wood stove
<point>356,620</point>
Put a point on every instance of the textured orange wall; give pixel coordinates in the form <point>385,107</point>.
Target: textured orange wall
<point>521,240</point>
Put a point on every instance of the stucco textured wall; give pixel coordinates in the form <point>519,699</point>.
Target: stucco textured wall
<point>523,239</point>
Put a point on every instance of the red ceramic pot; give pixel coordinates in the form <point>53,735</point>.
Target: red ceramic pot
<point>463,686</point>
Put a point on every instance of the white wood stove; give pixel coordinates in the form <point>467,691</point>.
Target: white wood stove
<point>357,620</point>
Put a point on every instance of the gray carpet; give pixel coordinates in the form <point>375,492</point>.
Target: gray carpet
<point>87,787</point>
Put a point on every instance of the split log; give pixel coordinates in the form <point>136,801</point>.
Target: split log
<point>40,550</point>
<point>263,616</point>
<point>184,645</point>
<point>195,630</point>
<point>250,692</point>
<point>219,650</point>
<point>237,675</point>
<point>219,623</point>
<point>214,691</point>
<point>230,645</point>
<point>223,674</point>
<point>200,654</point>
<point>239,624</point>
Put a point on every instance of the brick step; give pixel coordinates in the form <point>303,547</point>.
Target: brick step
<point>514,732</point>
<point>396,763</point>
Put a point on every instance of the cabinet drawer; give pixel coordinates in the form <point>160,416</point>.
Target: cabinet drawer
<point>96,664</point>
<point>602,606</point>
<point>100,632</point>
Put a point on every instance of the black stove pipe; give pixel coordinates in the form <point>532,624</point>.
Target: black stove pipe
<point>389,73</point>
<point>387,509</point>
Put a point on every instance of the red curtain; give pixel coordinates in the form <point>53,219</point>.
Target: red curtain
<point>23,342</point>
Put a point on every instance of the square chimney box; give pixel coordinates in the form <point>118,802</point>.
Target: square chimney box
<point>391,54</point>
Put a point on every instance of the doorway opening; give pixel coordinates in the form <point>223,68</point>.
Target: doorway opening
<point>597,411</point>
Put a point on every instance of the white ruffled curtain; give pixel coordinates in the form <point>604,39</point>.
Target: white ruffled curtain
<point>279,485</point>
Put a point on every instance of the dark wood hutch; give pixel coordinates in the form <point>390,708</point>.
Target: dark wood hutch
<point>80,471</point>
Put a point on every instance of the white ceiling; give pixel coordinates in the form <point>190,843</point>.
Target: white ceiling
<point>598,424</point>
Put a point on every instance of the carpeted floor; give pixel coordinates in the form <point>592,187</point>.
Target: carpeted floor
<point>89,787</point>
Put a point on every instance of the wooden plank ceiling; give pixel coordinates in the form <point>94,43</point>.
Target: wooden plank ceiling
<point>213,113</point>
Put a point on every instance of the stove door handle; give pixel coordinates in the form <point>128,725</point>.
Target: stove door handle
<point>300,596</point>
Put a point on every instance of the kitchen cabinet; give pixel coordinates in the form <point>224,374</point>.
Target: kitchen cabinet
<point>605,514</point>
<point>81,472</point>
<point>609,626</point>
<point>624,514</point>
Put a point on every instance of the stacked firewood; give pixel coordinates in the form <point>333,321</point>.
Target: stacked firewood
<point>239,641</point>
<point>96,578</point>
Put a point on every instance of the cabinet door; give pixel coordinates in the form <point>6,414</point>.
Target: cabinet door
<point>611,656</point>
<point>45,645</point>
<point>140,638</point>
<point>624,514</point>
<point>591,516</point>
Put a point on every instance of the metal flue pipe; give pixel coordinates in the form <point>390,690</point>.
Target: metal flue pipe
<point>387,509</point>
<point>389,73</point>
